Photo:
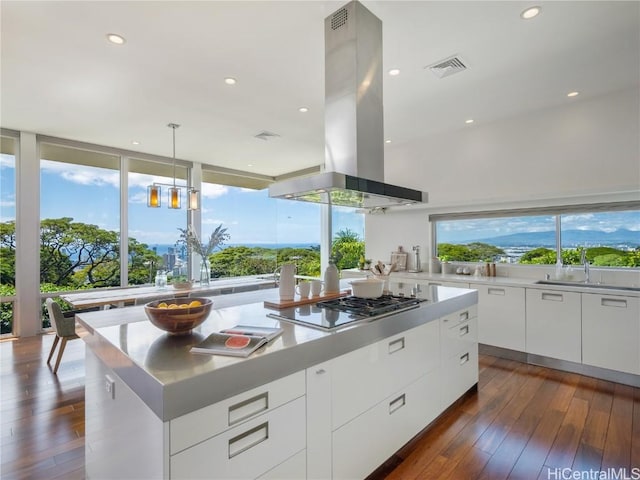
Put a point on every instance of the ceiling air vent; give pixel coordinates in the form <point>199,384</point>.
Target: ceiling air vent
<point>447,67</point>
<point>264,135</point>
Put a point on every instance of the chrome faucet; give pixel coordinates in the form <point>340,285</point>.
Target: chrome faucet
<point>585,263</point>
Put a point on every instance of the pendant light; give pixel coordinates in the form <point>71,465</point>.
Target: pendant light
<point>174,192</point>
<point>154,190</point>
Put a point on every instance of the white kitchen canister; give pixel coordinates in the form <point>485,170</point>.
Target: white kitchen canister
<point>331,280</point>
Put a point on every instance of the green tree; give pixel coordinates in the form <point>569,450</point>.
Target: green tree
<point>67,247</point>
<point>473,252</point>
<point>347,248</point>
<point>539,256</point>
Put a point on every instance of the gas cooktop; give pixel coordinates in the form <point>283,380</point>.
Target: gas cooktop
<point>330,315</point>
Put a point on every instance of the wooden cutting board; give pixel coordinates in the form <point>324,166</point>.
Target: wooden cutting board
<point>305,301</point>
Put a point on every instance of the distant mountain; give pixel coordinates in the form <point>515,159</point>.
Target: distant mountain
<point>569,238</point>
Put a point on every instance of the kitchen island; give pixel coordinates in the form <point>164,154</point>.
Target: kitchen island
<point>310,404</point>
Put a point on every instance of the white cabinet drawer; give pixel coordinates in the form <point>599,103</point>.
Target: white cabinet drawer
<point>248,450</point>
<point>611,332</point>
<point>460,316</point>
<point>501,316</point>
<point>554,325</point>
<point>459,374</point>
<point>361,445</point>
<point>366,376</point>
<point>294,468</point>
<point>206,422</point>
<point>459,337</point>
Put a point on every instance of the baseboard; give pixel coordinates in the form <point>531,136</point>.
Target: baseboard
<point>564,365</point>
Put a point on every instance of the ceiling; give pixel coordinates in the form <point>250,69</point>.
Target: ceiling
<point>61,77</point>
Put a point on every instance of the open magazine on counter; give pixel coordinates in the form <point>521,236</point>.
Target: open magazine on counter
<point>239,341</point>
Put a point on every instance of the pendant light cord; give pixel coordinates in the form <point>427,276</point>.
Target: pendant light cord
<point>174,126</point>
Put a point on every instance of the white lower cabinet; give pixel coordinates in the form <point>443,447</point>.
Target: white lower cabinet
<point>294,468</point>
<point>501,316</point>
<point>611,332</point>
<point>248,450</point>
<point>364,377</point>
<point>364,443</point>
<point>554,324</point>
<point>459,340</point>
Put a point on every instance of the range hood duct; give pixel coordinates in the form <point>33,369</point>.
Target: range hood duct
<point>354,133</point>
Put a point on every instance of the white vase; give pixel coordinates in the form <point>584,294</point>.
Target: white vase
<point>287,283</point>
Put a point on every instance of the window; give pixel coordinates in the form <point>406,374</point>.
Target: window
<point>153,232</point>
<point>79,219</point>
<point>503,239</point>
<point>263,232</point>
<point>7,234</point>
<point>611,237</point>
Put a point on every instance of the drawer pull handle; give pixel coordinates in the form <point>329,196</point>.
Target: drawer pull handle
<point>248,408</point>
<point>554,297</point>
<point>398,403</point>
<point>321,371</point>
<point>249,439</point>
<point>464,358</point>
<point>496,291</point>
<point>464,330</point>
<point>613,302</point>
<point>396,345</point>
<point>464,316</point>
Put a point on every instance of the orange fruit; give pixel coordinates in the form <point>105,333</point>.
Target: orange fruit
<point>195,303</point>
<point>162,305</point>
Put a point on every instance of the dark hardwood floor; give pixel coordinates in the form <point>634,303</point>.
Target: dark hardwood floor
<point>523,421</point>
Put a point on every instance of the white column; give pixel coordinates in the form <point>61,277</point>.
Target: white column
<point>27,312</point>
<point>326,234</point>
<point>124,221</point>
<point>195,218</point>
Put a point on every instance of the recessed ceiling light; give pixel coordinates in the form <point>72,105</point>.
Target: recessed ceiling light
<point>303,109</point>
<point>249,164</point>
<point>573,94</point>
<point>469,120</point>
<point>530,13</point>
<point>135,142</point>
<point>230,81</point>
<point>394,71</point>
<point>115,38</point>
<point>387,141</point>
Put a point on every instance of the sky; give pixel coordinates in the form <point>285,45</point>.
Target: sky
<point>91,195</point>
<point>468,230</point>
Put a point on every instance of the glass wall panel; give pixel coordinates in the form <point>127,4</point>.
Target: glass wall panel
<point>79,219</point>
<point>522,239</point>
<point>154,232</point>
<point>7,234</point>
<point>263,232</point>
<point>611,239</point>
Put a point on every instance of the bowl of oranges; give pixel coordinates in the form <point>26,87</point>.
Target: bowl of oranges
<point>178,316</point>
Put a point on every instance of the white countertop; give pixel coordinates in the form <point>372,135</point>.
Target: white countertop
<point>173,381</point>
<point>506,282</point>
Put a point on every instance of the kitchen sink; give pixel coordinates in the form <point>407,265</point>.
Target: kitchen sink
<point>587,285</point>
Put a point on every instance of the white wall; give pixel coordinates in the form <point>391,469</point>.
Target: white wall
<point>590,146</point>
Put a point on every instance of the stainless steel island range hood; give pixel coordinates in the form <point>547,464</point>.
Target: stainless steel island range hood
<point>354,133</point>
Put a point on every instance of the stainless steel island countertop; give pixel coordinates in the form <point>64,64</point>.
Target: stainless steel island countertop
<point>172,381</point>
